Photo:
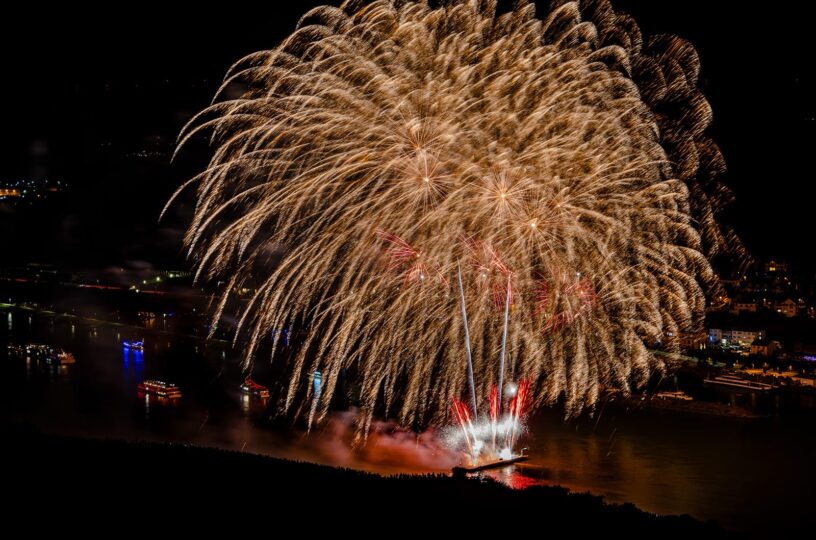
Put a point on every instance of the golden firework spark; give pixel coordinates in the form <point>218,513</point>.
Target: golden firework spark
<point>545,140</point>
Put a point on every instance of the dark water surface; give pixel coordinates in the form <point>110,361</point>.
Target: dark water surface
<point>755,476</point>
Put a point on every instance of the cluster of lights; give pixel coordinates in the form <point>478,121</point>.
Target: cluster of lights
<point>26,189</point>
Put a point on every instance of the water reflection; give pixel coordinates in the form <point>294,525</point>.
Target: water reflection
<point>154,404</point>
<point>515,477</point>
<point>62,371</point>
<point>37,366</point>
<point>253,405</point>
<point>133,364</point>
<point>146,401</point>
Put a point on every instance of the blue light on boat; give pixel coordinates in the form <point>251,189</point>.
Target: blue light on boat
<point>134,345</point>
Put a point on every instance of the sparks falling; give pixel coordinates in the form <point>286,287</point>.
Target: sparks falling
<point>573,150</point>
<point>496,434</point>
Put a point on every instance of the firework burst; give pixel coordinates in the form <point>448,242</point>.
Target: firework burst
<point>572,151</point>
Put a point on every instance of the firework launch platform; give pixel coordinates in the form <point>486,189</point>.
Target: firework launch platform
<point>464,471</point>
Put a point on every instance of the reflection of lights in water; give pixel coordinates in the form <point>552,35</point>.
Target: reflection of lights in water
<point>253,404</point>
<point>137,357</point>
<point>73,331</point>
<point>10,324</point>
<point>512,478</point>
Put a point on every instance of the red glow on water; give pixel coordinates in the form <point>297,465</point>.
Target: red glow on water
<point>519,481</point>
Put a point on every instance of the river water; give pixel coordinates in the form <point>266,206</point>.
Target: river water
<point>753,476</point>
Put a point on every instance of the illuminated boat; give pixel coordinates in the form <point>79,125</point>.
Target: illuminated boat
<point>134,345</point>
<point>59,357</point>
<point>52,355</point>
<point>159,389</point>
<point>31,350</point>
<point>251,388</point>
<point>18,350</point>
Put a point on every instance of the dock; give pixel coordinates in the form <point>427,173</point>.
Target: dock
<point>731,381</point>
<point>464,471</point>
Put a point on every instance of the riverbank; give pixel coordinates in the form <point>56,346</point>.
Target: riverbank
<point>192,485</point>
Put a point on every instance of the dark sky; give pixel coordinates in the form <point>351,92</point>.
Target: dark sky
<point>97,99</point>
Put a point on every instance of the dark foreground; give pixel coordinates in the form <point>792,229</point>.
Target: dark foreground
<point>92,484</point>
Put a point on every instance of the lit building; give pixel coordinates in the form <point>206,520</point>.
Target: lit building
<point>692,340</point>
<point>764,347</point>
<point>746,337</point>
<point>773,267</point>
<point>744,307</point>
<point>173,274</point>
<point>721,302</point>
<point>734,337</point>
<point>787,307</point>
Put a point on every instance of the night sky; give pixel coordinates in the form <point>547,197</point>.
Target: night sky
<point>97,99</point>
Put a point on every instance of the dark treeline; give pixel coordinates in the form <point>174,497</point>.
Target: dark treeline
<point>178,488</point>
